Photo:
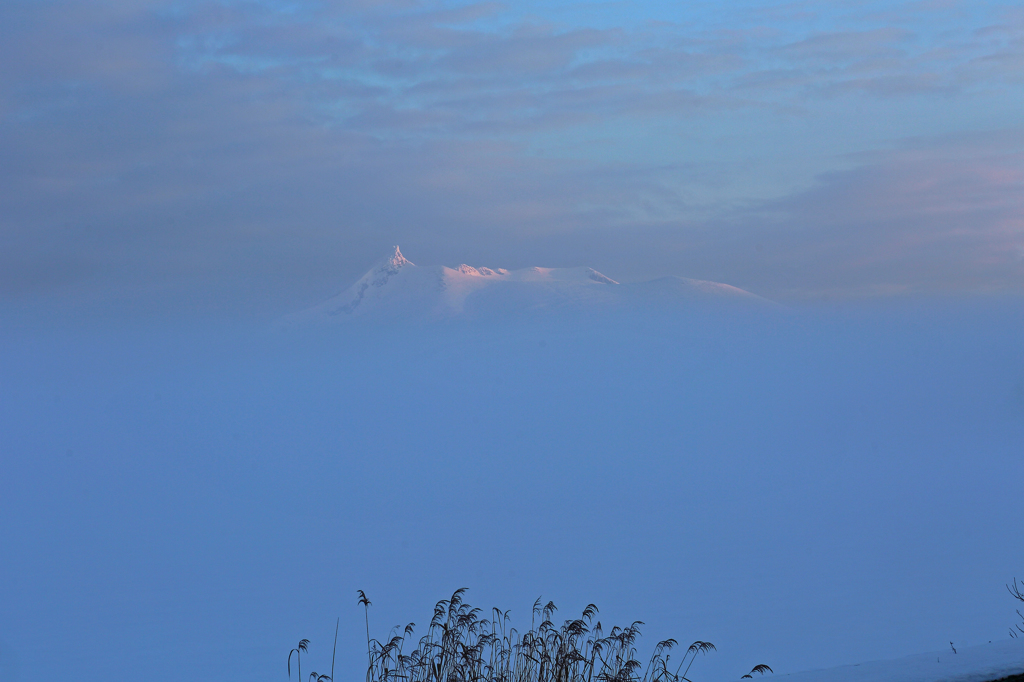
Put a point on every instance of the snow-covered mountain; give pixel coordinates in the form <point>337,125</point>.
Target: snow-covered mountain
<point>395,287</point>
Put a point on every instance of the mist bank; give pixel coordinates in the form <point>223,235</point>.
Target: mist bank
<point>804,488</point>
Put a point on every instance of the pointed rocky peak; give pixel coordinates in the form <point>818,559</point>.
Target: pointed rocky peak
<point>387,267</point>
<point>392,264</point>
<point>396,260</point>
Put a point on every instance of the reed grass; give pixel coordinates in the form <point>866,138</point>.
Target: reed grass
<point>302,646</point>
<point>760,669</point>
<point>1018,594</point>
<point>463,645</point>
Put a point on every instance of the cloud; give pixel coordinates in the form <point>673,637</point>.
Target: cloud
<point>264,153</point>
<point>945,217</point>
<point>846,46</point>
<point>513,72</point>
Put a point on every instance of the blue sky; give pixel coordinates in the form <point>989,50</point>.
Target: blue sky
<point>263,154</point>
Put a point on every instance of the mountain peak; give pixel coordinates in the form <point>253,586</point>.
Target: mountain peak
<point>396,260</point>
<point>396,286</point>
<point>385,269</point>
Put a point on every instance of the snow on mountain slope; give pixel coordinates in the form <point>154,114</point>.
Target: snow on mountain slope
<point>982,663</point>
<point>686,288</point>
<point>397,288</point>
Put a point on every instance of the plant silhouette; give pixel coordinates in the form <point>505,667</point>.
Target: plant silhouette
<point>1018,594</point>
<point>302,646</point>
<point>334,652</point>
<point>365,603</point>
<point>762,669</point>
<point>463,645</point>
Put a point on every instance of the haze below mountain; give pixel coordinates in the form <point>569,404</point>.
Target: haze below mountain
<point>808,489</point>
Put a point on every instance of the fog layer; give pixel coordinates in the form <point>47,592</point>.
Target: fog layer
<point>801,489</point>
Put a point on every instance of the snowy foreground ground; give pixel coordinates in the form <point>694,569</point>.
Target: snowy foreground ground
<point>982,663</point>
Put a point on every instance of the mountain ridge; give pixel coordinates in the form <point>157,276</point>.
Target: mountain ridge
<point>397,288</point>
